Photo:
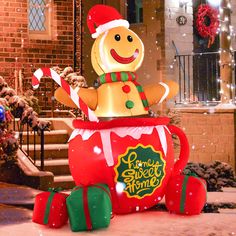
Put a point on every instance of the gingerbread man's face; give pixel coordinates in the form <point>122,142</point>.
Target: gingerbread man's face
<point>118,49</point>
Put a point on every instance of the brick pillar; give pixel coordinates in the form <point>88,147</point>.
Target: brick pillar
<point>226,54</point>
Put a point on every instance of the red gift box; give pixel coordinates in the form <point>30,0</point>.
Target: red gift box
<point>186,194</point>
<point>50,209</point>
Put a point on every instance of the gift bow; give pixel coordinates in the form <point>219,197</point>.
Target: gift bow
<point>56,190</point>
<point>52,191</point>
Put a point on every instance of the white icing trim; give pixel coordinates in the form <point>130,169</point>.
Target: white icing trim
<point>167,129</point>
<point>134,132</point>
<point>106,146</point>
<point>84,133</point>
<point>166,92</point>
<point>162,136</point>
<point>109,25</point>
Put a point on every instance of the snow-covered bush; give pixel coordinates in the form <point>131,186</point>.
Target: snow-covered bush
<point>217,175</point>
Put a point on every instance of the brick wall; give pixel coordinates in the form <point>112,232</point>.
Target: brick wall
<point>18,51</point>
<point>87,70</point>
<point>211,134</point>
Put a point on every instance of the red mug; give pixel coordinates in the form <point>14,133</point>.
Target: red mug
<point>133,156</point>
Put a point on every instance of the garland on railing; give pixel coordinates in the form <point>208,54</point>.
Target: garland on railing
<point>12,106</point>
<point>8,140</point>
<point>73,78</point>
<point>205,30</point>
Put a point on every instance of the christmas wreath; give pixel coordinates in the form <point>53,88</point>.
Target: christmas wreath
<point>207,22</point>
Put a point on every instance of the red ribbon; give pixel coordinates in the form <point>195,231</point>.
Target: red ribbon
<point>104,189</point>
<point>86,209</point>
<point>86,206</point>
<point>108,193</point>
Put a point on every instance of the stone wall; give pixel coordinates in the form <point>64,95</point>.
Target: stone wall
<point>211,134</point>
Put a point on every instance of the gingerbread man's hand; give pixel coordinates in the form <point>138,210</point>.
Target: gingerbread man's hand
<point>89,96</point>
<point>157,93</point>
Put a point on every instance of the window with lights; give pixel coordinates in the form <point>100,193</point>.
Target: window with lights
<point>39,19</point>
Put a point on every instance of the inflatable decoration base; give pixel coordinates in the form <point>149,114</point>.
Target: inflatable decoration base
<point>134,157</point>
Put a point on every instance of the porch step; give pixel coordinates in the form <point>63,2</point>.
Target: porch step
<point>50,137</point>
<point>57,166</point>
<point>64,181</point>
<point>51,151</point>
<point>57,113</point>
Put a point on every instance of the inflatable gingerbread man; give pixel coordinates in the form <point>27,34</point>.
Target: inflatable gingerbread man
<point>124,148</point>
<point>116,54</point>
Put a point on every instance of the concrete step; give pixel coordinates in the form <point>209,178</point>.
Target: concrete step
<point>51,151</point>
<point>50,137</point>
<point>57,113</point>
<point>57,166</point>
<point>64,181</point>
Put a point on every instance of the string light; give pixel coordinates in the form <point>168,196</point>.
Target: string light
<point>229,5</point>
<point>172,64</point>
<point>224,26</point>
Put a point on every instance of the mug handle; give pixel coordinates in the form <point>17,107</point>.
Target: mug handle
<point>184,150</point>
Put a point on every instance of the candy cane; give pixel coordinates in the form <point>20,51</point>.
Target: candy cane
<point>39,73</point>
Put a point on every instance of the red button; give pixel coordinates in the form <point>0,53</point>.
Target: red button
<point>126,88</point>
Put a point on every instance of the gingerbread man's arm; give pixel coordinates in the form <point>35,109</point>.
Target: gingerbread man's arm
<point>157,93</point>
<point>89,96</point>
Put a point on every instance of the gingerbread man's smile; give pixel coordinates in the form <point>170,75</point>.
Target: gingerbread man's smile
<point>124,60</point>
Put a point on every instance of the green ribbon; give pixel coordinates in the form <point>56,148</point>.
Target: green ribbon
<point>184,187</point>
<point>183,193</point>
<point>52,191</point>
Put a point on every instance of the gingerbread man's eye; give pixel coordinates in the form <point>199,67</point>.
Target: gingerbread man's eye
<point>117,37</point>
<point>129,38</point>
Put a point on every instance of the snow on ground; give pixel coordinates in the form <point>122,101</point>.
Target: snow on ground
<point>15,221</point>
<point>228,195</point>
<point>143,224</point>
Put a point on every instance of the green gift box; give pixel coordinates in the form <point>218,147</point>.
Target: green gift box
<point>89,207</point>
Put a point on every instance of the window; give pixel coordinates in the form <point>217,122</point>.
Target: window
<point>135,11</point>
<point>39,18</point>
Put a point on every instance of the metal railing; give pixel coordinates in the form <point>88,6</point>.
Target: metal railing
<point>24,132</point>
<point>199,77</point>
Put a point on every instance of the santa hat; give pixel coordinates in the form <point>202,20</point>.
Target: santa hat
<point>102,18</point>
